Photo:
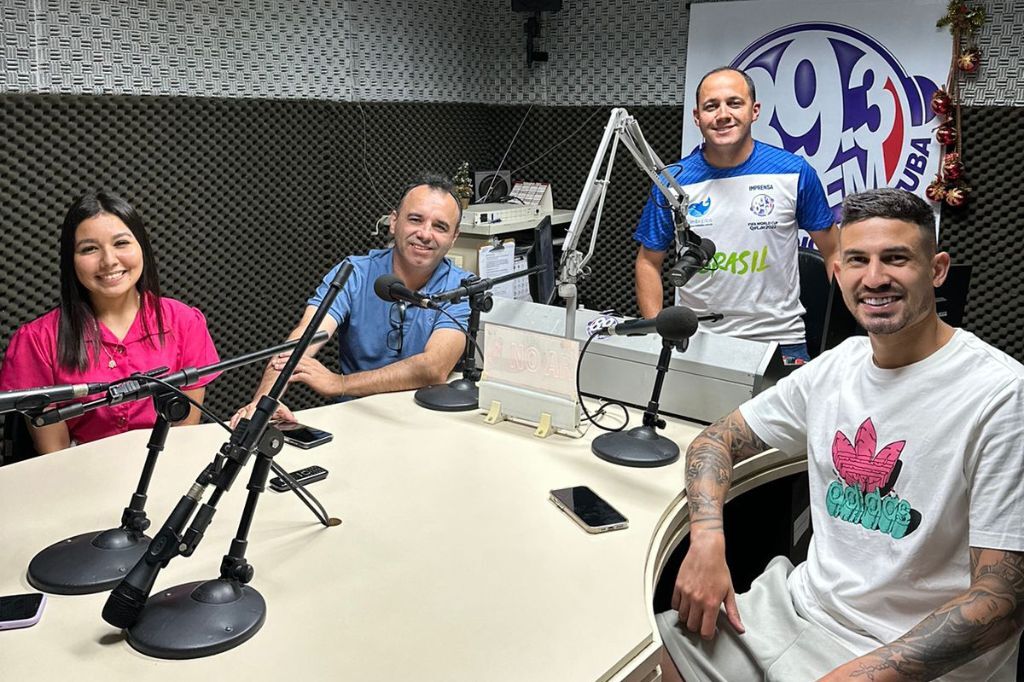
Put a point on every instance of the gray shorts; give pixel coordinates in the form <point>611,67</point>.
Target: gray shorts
<point>778,644</point>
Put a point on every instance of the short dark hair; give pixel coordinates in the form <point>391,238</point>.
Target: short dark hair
<point>894,204</point>
<point>720,69</point>
<point>437,182</point>
<point>78,332</point>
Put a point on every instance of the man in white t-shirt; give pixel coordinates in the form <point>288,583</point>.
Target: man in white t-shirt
<point>915,446</point>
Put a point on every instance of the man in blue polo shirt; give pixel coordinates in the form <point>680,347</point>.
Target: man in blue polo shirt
<point>750,199</point>
<point>386,346</point>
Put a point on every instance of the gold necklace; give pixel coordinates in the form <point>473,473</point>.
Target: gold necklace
<point>111,364</point>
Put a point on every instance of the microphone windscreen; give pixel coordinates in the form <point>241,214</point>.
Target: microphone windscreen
<point>124,605</point>
<point>382,286</point>
<point>676,323</point>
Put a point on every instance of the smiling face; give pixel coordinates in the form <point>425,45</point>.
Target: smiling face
<point>424,227</point>
<point>888,273</point>
<point>724,113</point>
<point>108,259</point>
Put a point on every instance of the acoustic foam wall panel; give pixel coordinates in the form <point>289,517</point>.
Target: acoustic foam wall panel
<point>987,231</point>
<point>248,202</point>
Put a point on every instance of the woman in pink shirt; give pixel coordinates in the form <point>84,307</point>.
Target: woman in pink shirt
<point>111,322</point>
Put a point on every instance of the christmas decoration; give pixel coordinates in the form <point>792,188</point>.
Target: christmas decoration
<point>957,196</point>
<point>963,21</point>
<point>969,61</point>
<point>461,185</point>
<point>946,134</point>
<point>937,190</point>
<point>942,103</point>
<point>952,167</point>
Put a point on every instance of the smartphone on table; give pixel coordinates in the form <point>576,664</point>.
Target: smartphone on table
<point>21,610</point>
<point>302,436</point>
<point>588,509</point>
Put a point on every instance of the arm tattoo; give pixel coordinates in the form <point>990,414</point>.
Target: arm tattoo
<point>709,462</point>
<point>986,615</point>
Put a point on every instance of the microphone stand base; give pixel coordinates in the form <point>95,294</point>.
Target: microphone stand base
<point>91,562</point>
<point>639,447</point>
<point>460,395</point>
<point>198,619</point>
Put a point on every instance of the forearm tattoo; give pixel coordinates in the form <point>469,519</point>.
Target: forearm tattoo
<point>983,617</point>
<point>709,462</point>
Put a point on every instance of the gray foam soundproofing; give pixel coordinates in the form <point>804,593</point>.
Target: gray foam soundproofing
<point>986,232</point>
<point>248,202</point>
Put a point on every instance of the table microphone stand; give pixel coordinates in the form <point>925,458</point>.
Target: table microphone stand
<point>462,394</point>
<point>208,617</point>
<point>98,560</point>
<point>643,446</point>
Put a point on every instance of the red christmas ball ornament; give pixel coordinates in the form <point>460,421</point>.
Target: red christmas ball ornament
<point>952,167</point>
<point>942,103</point>
<point>937,190</point>
<point>946,134</point>
<point>969,60</point>
<point>956,196</point>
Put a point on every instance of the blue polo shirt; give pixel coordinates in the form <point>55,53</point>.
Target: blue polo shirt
<point>364,320</point>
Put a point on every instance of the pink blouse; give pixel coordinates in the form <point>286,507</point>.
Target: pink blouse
<point>31,361</point>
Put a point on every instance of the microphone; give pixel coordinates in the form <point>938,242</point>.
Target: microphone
<point>30,399</point>
<point>472,286</point>
<point>675,323</point>
<point>392,288</point>
<point>691,260</point>
<point>125,602</point>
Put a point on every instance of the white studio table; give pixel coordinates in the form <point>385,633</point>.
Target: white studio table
<point>450,564</point>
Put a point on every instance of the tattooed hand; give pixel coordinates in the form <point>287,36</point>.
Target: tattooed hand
<point>704,582</point>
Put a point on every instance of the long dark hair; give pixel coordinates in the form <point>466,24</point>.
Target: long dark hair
<point>78,332</point>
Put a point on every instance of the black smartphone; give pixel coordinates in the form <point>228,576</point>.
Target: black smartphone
<point>21,610</point>
<point>302,436</point>
<point>588,509</point>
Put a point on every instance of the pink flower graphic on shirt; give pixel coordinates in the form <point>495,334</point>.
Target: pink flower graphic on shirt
<point>859,464</point>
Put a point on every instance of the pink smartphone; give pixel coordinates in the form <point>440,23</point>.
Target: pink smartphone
<point>21,610</point>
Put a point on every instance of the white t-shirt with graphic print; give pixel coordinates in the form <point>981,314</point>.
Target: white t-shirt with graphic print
<point>908,468</point>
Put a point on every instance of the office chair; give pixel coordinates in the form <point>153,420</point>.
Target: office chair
<point>814,292</point>
<point>16,442</point>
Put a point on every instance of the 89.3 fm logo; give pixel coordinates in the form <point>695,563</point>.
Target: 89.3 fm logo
<point>840,99</point>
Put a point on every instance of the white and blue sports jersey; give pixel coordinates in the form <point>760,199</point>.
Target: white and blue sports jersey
<point>752,213</point>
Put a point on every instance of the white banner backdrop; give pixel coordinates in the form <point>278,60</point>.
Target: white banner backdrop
<point>846,84</point>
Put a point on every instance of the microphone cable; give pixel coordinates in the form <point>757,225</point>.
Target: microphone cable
<point>605,404</point>
<point>462,328</point>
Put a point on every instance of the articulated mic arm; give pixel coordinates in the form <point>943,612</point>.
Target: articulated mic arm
<point>621,126</point>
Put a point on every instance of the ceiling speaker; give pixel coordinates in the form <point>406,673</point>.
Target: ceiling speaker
<point>491,186</point>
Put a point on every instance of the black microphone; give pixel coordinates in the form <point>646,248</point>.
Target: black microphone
<point>37,398</point>
<point>692,259</point>
<point>392,288</point>
<point>673,324</point>
<point>126,601</point>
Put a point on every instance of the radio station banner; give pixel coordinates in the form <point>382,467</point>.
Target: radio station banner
<point>846,84</point>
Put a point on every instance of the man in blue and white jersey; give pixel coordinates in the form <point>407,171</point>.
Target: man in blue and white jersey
<point>750,199</point>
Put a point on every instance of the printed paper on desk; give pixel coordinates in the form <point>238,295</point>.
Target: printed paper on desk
<point>521,286</point>
<point>533,194</point>
<point>495,261</point>
<point>539,362</point>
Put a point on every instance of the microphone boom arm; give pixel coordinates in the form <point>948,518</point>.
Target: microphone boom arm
<point>620,126</point>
